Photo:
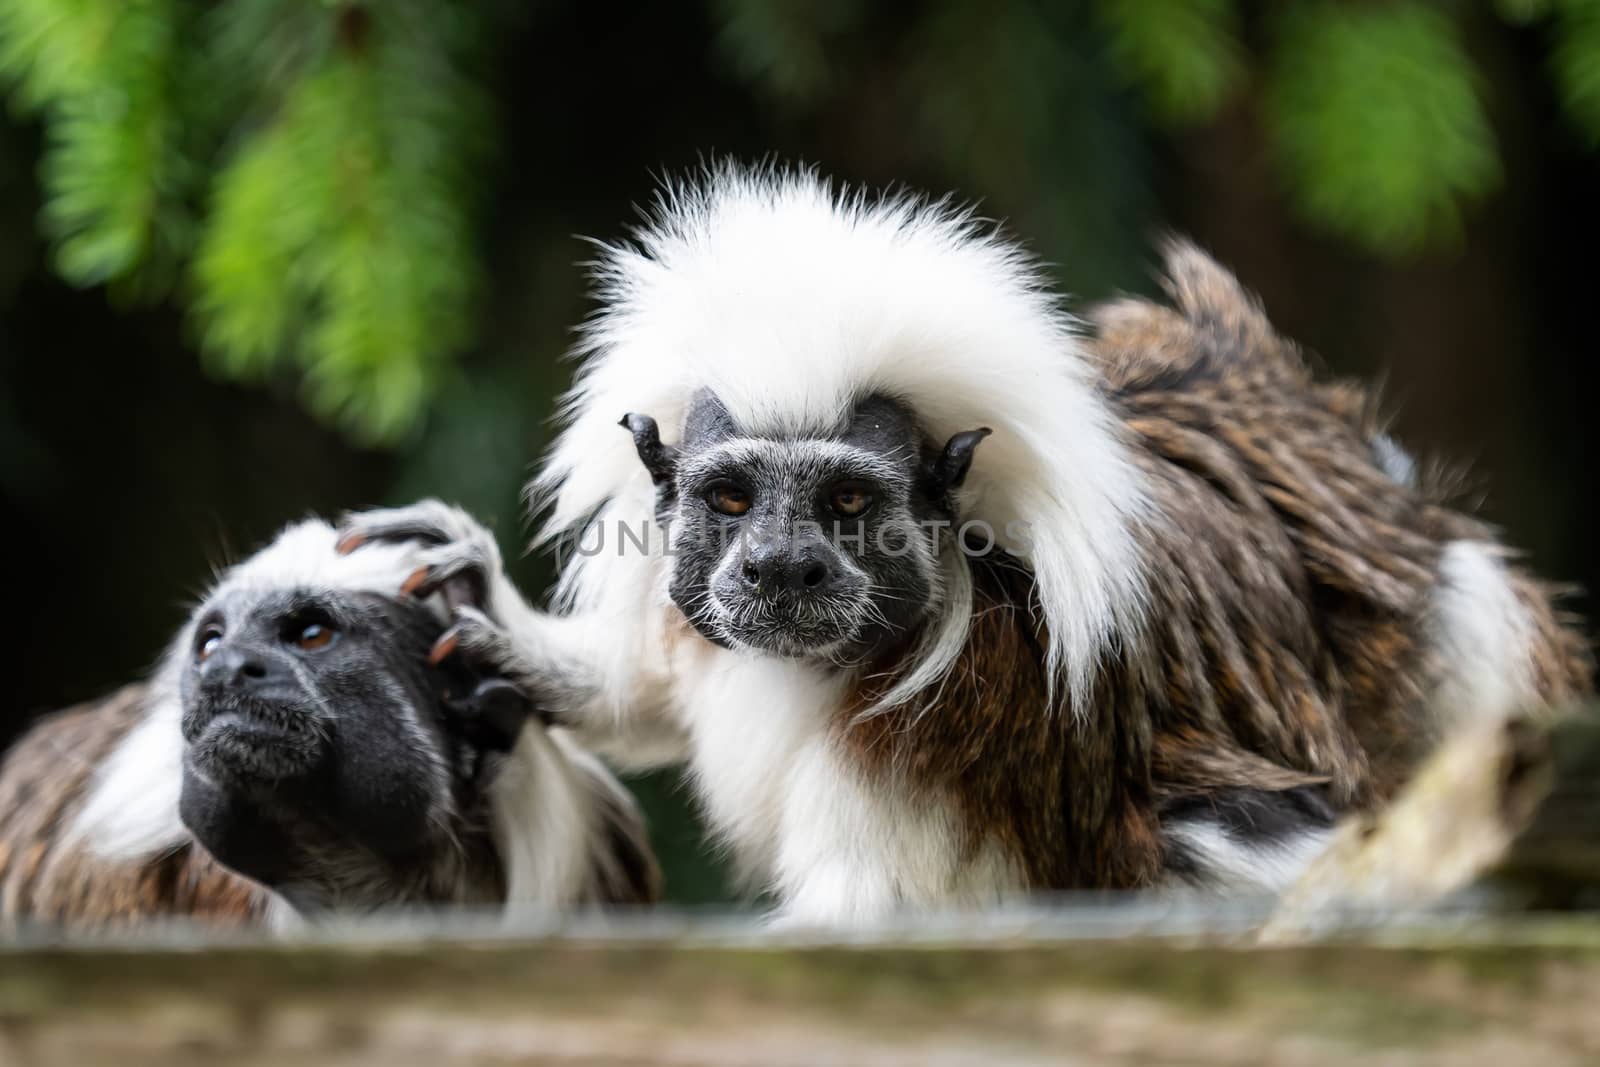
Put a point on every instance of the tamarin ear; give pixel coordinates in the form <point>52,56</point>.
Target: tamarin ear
<point>659,459</point>
<point>949,470</point>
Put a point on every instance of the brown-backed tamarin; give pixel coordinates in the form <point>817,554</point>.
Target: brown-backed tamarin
<point>942,597</point>
<point>295,753</point>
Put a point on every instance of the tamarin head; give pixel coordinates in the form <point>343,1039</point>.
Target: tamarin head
<point>301,731</point>
<point>810,313</point>
<point>805,546</point>
<point>322,752</point>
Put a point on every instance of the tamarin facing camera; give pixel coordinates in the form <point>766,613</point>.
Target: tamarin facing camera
<point>942,598</point>
<point>295,754</point>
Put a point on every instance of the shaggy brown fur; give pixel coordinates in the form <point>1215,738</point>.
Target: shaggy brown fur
<point>43,878</point>
<point>1287,640</point>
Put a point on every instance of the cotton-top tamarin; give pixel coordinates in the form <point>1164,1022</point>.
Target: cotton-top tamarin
<point>943,597</point>
<point>297,755</point>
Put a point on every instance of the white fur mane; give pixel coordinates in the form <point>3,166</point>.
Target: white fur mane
<point>789,300</point>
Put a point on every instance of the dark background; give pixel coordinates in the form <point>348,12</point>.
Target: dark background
<point>128,471</point>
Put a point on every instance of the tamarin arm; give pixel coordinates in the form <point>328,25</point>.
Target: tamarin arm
<point>614,696</point>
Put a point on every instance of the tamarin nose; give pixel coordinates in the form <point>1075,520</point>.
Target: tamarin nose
<point>241,669</point>
<point>799,572</point>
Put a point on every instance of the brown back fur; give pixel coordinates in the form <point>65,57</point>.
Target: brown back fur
<point>1287,640</point>
<point>44,780</point>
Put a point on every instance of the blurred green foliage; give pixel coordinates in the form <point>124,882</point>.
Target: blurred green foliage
<point>1577,62</point>
<point>301,174</point>
<point>340,229</point>
<point>1376,119</point>
<point>299,170</point>
<point>1185,53</point>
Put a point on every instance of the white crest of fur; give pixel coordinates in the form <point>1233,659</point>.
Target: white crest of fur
<point>790,300</point>
<point>543,803</point>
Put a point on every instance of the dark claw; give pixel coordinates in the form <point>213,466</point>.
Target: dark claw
<point>465,588</point>
<point>445,647</point>
<point>420,531</point>
<point>417,579</point>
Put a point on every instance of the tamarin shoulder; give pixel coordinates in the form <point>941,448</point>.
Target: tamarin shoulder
<point>1293,640</point>
<point>1313,551</point>
<point>47,877</point>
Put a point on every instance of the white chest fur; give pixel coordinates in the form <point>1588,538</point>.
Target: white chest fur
<point>798,816</point>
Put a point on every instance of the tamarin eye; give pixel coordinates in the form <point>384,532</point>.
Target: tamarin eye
<point>308,630</point>
<point>850,500</point>
<point>315,635</point>
<point>728,498</point>
<point>207,642</point>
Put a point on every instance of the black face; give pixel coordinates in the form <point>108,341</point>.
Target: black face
<point>821,547</point>
<point>318,740</point>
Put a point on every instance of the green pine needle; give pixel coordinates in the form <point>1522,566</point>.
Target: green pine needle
<point>1522,12</point>
<point>1184,54</point>
<point>101,72</point>
<point>51,49</point>
<point>340,237</point>
<point>1576,63</point>
<point>1376,121</point>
